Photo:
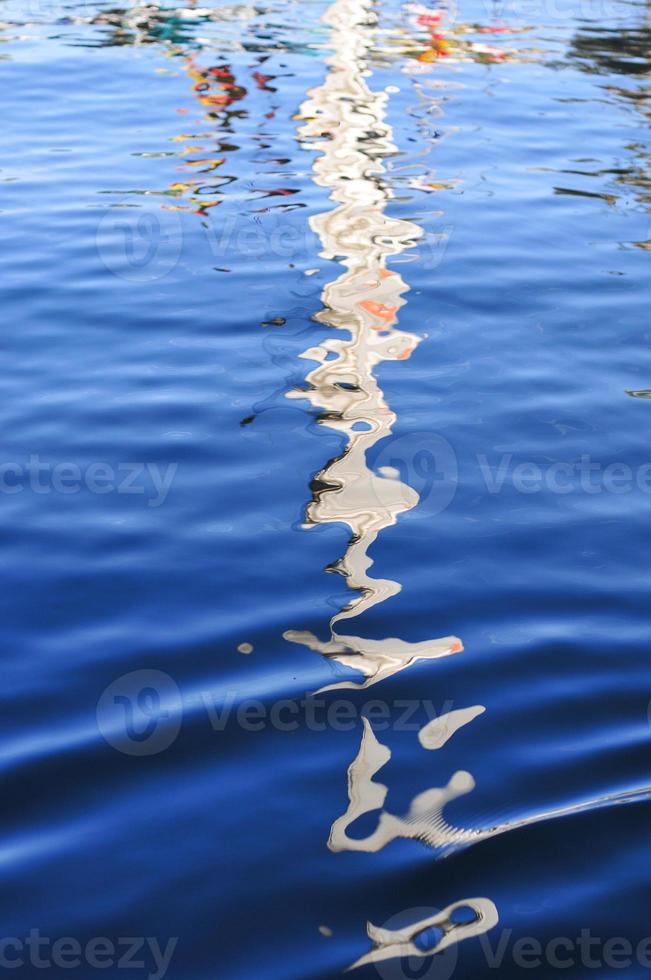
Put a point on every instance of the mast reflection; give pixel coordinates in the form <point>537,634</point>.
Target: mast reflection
<point>345,122</point>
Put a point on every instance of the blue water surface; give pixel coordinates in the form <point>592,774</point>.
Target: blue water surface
<point>165,277</point>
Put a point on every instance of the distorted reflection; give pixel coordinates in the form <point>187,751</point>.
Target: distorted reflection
<point>217,90</point>
<point>345,121</point>
<point>440,730</point>
<point>364,794</point>
<point>459,921</point>
<point>625,52</point>
<point>424,820</point>
<point>154,23</point>
<point>433,34</point>
<point>614,50</point>
<point>424,35</point>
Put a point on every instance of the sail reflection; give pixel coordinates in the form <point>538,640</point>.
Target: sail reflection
<point>345,121</point>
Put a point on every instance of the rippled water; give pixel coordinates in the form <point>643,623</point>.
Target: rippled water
<point>334,287</point>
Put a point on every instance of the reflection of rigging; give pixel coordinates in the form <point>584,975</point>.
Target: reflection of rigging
<point>345,121</point>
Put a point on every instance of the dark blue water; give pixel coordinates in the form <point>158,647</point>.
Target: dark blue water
<point>325,325</point>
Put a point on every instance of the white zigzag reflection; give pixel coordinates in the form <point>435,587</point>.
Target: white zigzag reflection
<point>425,821</point>
<point>345,121</point>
